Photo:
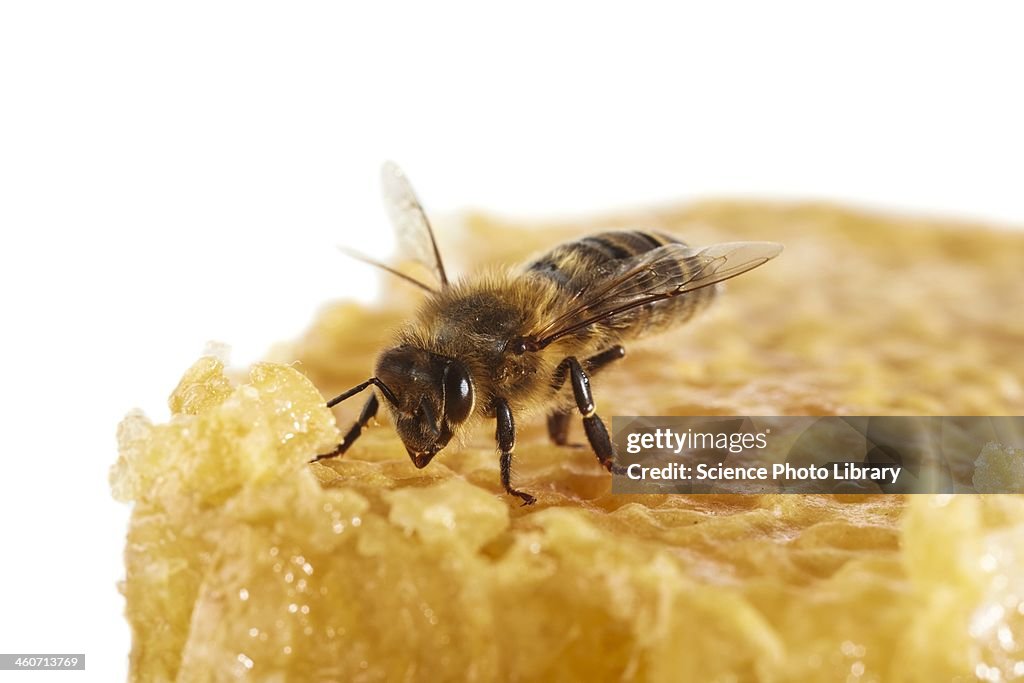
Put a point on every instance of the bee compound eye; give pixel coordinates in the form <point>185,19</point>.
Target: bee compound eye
<point>458,393</point>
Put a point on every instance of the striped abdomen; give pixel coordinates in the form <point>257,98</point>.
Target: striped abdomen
<point>584,265</point>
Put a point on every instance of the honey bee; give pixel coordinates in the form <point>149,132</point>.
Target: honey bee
<point>503,343</point>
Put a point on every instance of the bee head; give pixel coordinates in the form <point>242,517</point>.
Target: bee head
<point>434,396</point>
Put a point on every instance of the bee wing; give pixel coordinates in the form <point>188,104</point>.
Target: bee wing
<point>653,276</point>
<point>415,236</point>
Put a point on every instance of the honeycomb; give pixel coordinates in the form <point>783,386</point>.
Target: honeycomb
<point>243,562</point>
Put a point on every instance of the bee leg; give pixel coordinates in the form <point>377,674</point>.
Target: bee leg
<point>558,427</point>
<point>558,420</point>
<point>368,413</point>
<point>597,434</point>
<point>595,363</point>
<point>506,437</point>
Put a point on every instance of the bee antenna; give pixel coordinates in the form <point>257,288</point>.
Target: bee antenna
<point>388,394</point>
<point>377,264</point>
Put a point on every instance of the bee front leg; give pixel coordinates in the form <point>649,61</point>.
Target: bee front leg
<point>506,437</point>
<point>558,420</point>
<point>597,434</point>
<point>368,413</point>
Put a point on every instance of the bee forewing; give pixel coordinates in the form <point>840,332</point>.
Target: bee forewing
<point>415,236</point>
<point>718,262</point>
<point>746,250</point>
<point>655,275</point>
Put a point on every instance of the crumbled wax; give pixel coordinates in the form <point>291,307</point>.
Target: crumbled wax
<point>246,563</point>
<point>999,468</point>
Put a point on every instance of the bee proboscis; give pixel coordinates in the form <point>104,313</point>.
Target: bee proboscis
<point>503,343</point>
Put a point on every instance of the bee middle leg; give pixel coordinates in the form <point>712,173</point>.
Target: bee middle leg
<point>558,420</point>
<point>506,437</point>
<point>597,433</point>
<point>368,413</point>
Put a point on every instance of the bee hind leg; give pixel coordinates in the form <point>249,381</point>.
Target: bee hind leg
<point>506,437</point>
<point>558,427</point>
<point>597,433</point>
<point>368,413</point>
<point>558,420</point>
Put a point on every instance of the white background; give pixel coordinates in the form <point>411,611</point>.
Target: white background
<point>180,173</point>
